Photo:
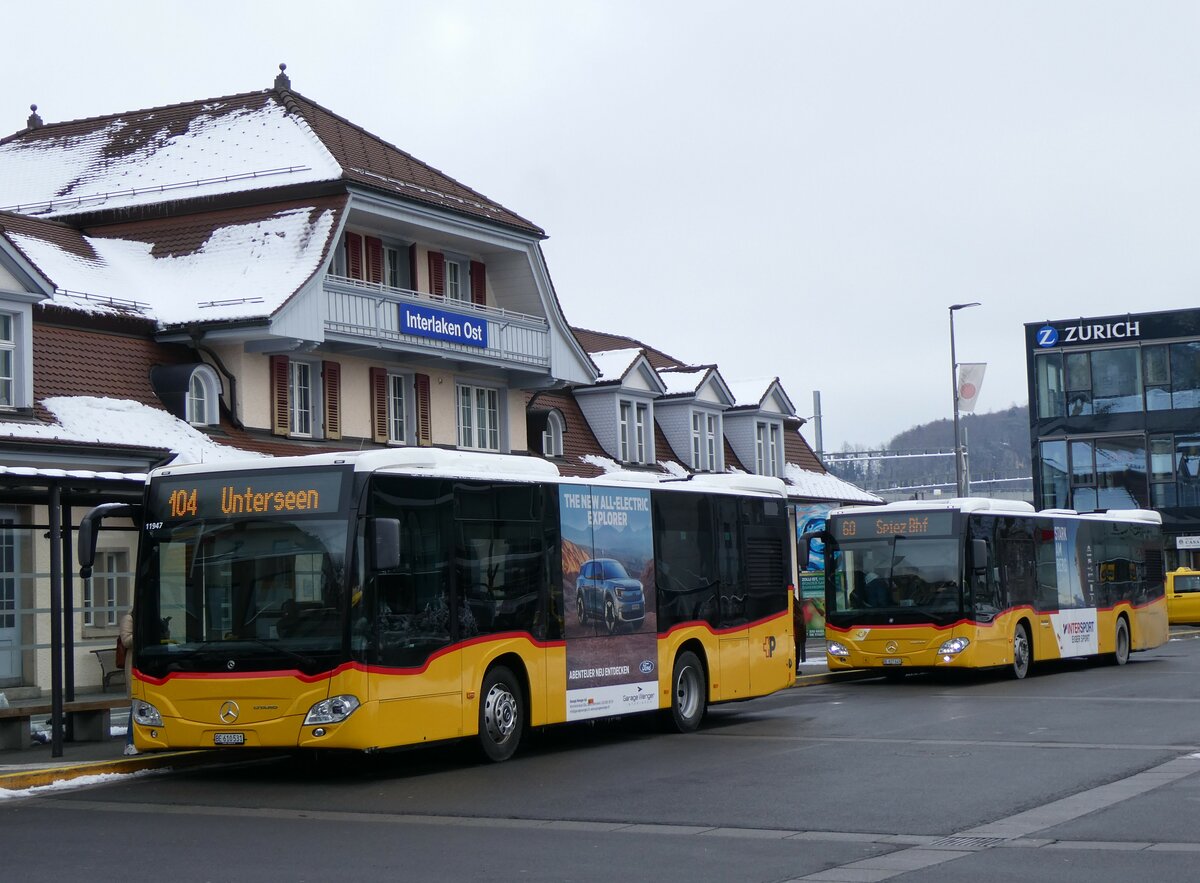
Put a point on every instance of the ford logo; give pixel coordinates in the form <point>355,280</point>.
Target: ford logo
<point>647,666</point>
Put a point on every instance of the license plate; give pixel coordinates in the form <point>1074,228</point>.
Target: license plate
<point>229,738</point>
<point>893,660</point>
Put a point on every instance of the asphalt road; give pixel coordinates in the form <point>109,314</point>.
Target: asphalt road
<point>1082,772</point>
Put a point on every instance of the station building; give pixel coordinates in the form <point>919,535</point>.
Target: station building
<point>1114,410</point>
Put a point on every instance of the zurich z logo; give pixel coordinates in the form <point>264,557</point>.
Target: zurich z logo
<point>1047,336</point>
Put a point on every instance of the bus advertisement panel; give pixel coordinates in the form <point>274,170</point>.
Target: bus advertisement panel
<point>608,586</point>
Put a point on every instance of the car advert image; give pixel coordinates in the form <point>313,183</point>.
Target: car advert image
<point>608,595</point>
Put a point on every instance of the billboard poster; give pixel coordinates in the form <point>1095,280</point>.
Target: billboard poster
<point>808,518</point>
<point>608,594</point>
<point>812,601</point>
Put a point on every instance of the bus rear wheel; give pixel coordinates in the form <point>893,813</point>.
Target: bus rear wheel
<point>688,693</point>
<point>1022,652</point>
<point>1121,652</point>
<point>501,714</point>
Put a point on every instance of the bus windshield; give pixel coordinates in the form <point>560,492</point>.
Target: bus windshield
<point>919,577</point>
<point>247,594</point>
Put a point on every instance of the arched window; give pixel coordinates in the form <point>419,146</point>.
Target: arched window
<point>203,396</point>
<point>552,435</point>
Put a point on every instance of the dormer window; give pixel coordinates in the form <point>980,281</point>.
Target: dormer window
<point>552,435</point>
<point>768,448</point>
<point>633,432</point>
<point>204,391</point>
<point>706,435</point>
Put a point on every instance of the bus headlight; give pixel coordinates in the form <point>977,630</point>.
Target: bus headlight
<point>146,714</point>
<point>833,648</point>
<point>333,710</point>
<point>954,646</point>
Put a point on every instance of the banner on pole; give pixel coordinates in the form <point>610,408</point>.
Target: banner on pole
<point>970,379</point>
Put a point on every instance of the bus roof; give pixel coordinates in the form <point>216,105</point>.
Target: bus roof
<point>1000,507</point>
<point>473,464</point>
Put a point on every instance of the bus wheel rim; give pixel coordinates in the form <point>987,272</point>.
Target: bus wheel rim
<point>500,713</point>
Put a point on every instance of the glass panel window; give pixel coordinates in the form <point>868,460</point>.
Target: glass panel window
<point>1048,369</point>
<point>623,431</point>
<point>1116,385</point>
<point>1082,468</point>
<point>1156,378</point>
<point>712,443</point>
<point>395,268</point>
<point>1054,476</point>
<point>396,410</point>
<point>8,347</point>
<point>552,436</point>
<point>106,593</point>
<point>454,281</point>
<point>697,440</point>
<point>642,417</point>
<point>1187,469</point>
<point>1121,473</point>
<point>8,574</point>
<point>1185,375</point>
<point>479,418</point>
<point>300,404</point>
<point>1079,384</point>
<point>197,403</point>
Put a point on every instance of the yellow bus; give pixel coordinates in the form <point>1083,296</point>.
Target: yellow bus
<point>403,597</point>
<point>1183,596</point>
<point>976,583</point>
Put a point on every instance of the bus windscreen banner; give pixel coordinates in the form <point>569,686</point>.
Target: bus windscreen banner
<point>609,598</point>
<point>893,524</point>
<point>259,494</point>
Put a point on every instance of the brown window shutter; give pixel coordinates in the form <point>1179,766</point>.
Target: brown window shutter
<point>379,391</point>
<point>478,284</point>
<point>374,260</point>
<point>354,263</point>
<point>331,375</point>
<point>437,273</point>
<point>279,395</point>
<point>421,387</point>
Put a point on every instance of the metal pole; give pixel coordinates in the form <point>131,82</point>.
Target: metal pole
<point>958,452</point>
<point>56,608</point>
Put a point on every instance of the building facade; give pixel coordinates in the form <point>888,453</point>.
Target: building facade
<point>1115,418</point>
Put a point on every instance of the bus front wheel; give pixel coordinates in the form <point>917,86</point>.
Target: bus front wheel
<point>501,714</point>
<point>1022,651</point>
<point>1121,652</point>
<point>688,692</point>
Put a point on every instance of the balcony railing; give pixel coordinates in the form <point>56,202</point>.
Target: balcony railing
<point>372,311</point>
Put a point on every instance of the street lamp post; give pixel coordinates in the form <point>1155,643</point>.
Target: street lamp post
<point>958,452</point>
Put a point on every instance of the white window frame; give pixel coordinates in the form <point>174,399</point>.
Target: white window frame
<point>641,417</point>
<point>634,442</point>
<point>454,280</point>
<point>394,258</point>
<point>552,436</point>
<point>626,419</point>
<point>203,397</point>
<point>18,309</point>
<point>706,429</point>
<point>479,417</point>
<point>302,415</point>
<point>397,409</point>
<point>768,448</point>
<point>8,360</point>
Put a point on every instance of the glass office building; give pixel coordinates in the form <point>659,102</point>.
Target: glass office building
<point>1114,411</point>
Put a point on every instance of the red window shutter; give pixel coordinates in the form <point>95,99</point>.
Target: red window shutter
<point>374,260</point>
<point>437,273</point>
<point>354,262</point>
<point>379,391</point>
<point>279,395</point>
<point>421,387</point>
<point>331,375</point>
<point>478,284</point>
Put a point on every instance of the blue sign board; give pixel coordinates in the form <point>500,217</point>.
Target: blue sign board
<point>443,325</point>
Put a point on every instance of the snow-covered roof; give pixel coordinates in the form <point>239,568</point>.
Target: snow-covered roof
<point>823,486</point>
<point>235,270</point>
<point>749,393</point>
<point>92,420</point>
<point>136,159</point>
<point>613,364</point>
<point>682,381</point>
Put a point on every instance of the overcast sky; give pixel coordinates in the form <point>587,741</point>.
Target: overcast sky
<point>791,189</point>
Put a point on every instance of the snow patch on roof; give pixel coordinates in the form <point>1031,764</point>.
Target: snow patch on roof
<point>603,463</point>
<point>268,260</point>
<point>823,486</point>
<point>751,391</point>
<point>217,152</point>
<point>614,363</point>
<point>89,419</point>
<point>679,381</point>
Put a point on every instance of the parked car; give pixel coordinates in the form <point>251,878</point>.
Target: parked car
<point>605,591</point>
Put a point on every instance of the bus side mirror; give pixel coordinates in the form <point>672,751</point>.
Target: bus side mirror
<point>806,541</point>
<point>384,537</point>
<point>89,530</point>
<point>979,555</point>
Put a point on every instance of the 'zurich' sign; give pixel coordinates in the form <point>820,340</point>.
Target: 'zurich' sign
<point>443,325</point>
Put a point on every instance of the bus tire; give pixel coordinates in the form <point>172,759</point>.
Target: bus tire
<point>1022,649</point>
<point>501,714</point>
<point>1121,648</point>
<point>689,693</point>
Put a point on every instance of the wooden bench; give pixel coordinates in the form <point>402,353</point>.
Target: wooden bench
<point>107,658</point>
<point>91,719</point>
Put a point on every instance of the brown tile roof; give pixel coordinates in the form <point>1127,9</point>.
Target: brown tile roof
<point>369,160</point>
<point>796,450</point>
<point>63,237</point>
<point>578,439</point>
<point>602,341</point>
<point>364,159</point>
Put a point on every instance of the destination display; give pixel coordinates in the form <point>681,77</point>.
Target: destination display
<point>233,496</point>
<point>889,524</point>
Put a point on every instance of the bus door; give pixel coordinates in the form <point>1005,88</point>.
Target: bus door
<point>985,598</point>
<point>734,637</point>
